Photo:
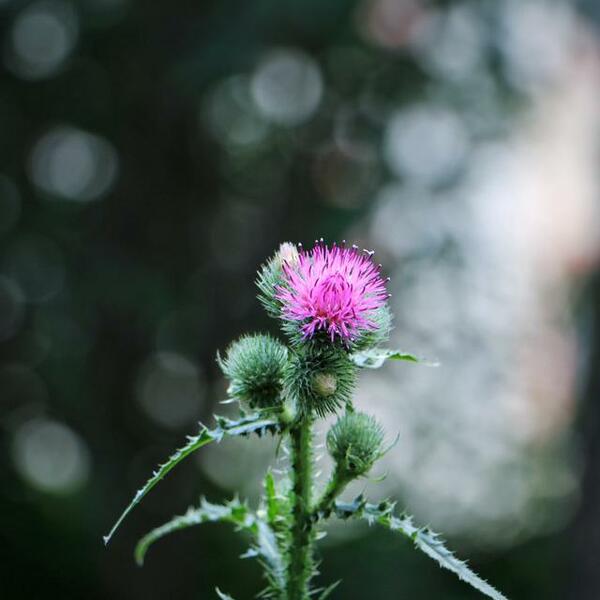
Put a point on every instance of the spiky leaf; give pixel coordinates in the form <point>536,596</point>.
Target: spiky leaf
<point>233,512</point>
<point>255,423</point>
<point>276,504</point>
<point>264,546</point>
<point>275,510</point>
<point>222,595</point>
<point>376,357</point>
<point>268,552</point>
<point>328,590</point>
<point>423,538</point>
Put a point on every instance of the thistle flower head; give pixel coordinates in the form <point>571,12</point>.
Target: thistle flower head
<point>335,290</point>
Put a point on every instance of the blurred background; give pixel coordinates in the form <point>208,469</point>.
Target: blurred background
<point>152,155</point>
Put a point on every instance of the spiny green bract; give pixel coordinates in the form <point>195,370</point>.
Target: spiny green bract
<point>319,379</point>
<point>369,338</point>
<point>355,443</point>
<point>255,366</point>
<point>382,319</point>
<point>270,276</point>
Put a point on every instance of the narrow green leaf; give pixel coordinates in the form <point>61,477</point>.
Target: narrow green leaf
<point>276,505</point>
<point>222,595</point>
<point>329,590</point>
<point>268,550</point>
<point>424,539</point>
<point>271,499</point>
<point>273,536</point>
<point>233,512</point>
<point>264,546</point>
<point>225,427</point>
<point>376,357</point>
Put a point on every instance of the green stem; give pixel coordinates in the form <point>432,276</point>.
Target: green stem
<point>300,565</point>
<point>337,484</point>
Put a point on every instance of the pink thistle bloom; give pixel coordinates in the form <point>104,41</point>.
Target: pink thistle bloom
<point>332,289</point>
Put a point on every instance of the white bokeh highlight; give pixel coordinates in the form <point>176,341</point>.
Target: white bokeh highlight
<point>43,37</point>
<point>71,164</point>
<point>51,456</point>
<point>287,87</point>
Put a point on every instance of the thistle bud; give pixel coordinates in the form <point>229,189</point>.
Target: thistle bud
<point>288,253</point>
<point>355,443</point>
<point>270,277</point>
<point>320,379</point>
<point>324,384</point>
<point>255,366</point>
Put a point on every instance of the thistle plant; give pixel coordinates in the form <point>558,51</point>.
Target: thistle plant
<point>332,306</point>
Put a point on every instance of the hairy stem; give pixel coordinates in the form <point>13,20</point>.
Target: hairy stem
<point>337,484</point>
<point>300,565</point>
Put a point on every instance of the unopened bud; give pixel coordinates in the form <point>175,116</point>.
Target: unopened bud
<point>270,277</point>
<point>319,379</point>
<point>325,384</point>
<point>287,253</point>
<point>355,443</point>
<point>255,365</point>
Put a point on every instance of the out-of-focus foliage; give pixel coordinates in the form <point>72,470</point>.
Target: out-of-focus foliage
<point>152,154</point>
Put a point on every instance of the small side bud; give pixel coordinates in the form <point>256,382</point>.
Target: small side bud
<point>324,384</point>
<point>355,442</point>
<point>255,365</point>
<point>320,379</point>
<point>270,276</point>
<point>288,253</point>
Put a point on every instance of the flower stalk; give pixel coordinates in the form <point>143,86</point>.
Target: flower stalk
<point>337,484</point>
<point>300,565</point>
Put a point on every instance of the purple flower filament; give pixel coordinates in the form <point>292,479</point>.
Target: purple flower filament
<point>335,290</point>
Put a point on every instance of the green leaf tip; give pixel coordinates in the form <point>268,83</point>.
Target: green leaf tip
<point>234,512</point>
<point>265,547</point>
<point>375,358</point>
<point>424,539</point>
<point>329,590</point>
<point>255,423</point>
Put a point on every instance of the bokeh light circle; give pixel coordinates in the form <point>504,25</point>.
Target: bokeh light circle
<point>170,389</point>
<point>287,87</point>
<point>72,164</point>
<point>426,143</point>
<point>50,456</point>
<point>42,39</point>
